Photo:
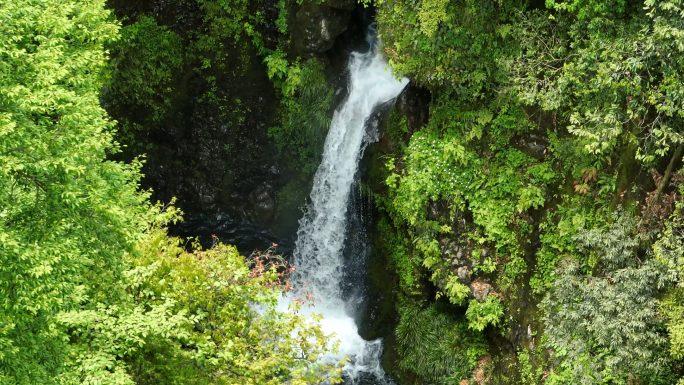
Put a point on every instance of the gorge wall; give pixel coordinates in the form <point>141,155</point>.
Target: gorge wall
<point>506,184</point>
<point>205,134</point>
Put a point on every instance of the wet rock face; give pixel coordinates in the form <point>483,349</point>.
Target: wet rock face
<point>480,289</point>
<point>224,174</point>
<point>533,144</point>
<point>414,104</point>
<point>212,151</point>
<point>317,25</point>
<point>458,254</point>
<point>463,274</point>
<point>263,203</point>
<point>347,5</point>
<point>166,12</point>
<point>216,158</point>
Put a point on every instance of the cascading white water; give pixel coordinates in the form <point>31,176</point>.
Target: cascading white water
<point>318,249</point>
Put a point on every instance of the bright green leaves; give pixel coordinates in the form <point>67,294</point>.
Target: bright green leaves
<point>530,197</point>
<point>67,216</point>
<point>433,172</point>
<point>672,307</point>
<point>600,129</point>
<point>614,79</point>
<point>587,9</point>
<point>669,251</point>
<point>192,318</point>
<point>429,248</point>
<point>447,43</point>
<point>277,66</point>
<point>116,332</point>
<point>531,374</point>
<point>223,335</point>
<point>483,313</point>
<point>456,291</point>
<point>454,152</point>
<point>540,123</point>
<point>542,173</point>
<point>430,14</point>
<point>444,164</point>
<point>74,308</point>
<point>281,22</point>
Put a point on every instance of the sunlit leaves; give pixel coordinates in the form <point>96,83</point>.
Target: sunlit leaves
<point>616,80</point>
<point>229,327</point>
<point>67,215</point>
<point>430,14</point>
<point>483,313</point>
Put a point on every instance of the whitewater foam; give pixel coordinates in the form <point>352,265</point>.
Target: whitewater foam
<point>321,235</point>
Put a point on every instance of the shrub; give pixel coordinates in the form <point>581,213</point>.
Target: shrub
<point>605,327</point>
<point>437,345</point>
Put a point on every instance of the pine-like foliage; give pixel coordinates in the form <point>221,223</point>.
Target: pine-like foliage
<point>669,250</point>
<point>605,327</point>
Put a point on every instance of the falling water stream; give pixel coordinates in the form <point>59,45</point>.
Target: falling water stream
<point>322,231</point>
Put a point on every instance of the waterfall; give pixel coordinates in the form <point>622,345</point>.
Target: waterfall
<point>321,235</point>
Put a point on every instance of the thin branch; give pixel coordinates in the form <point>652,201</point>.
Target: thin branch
<point>663,183</point>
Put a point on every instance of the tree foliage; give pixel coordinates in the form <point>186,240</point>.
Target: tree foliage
<point>206,317</point>
<point>669,250</point>
<point>146,59</point>
<point>545,118</point>
<point>615,80</point>
<point>306,100</point>
<point>66,215</point>
<point>231,331</point>
<point>606,327</point>
<point>93,290</point>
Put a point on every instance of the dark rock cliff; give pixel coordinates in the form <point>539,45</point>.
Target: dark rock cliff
<point>217,158</point>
